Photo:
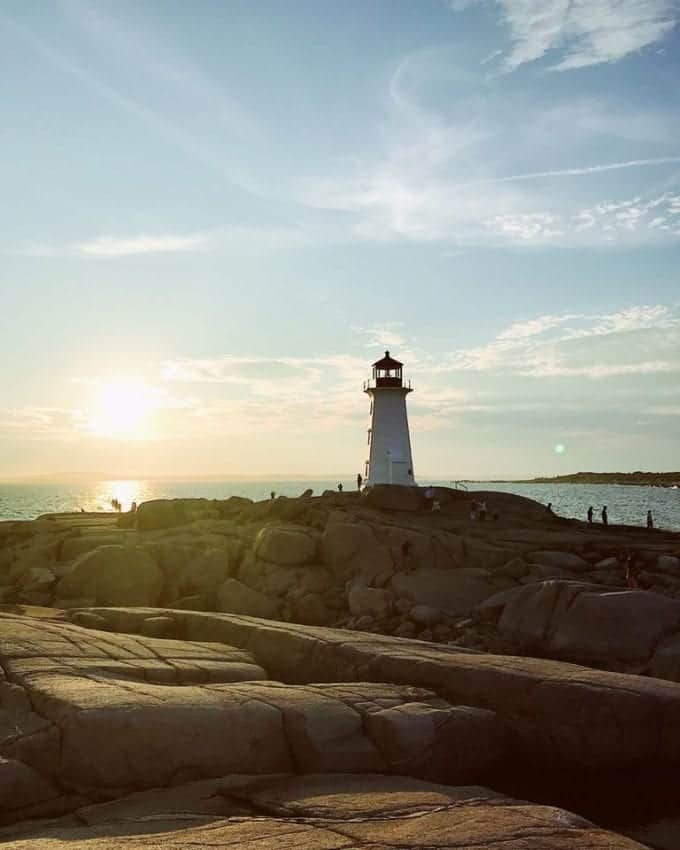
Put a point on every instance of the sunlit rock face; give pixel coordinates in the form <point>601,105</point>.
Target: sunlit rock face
<point>382,561</point>
<point>232,726</point>
<point>209,670</point>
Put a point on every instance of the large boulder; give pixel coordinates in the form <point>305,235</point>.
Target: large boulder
<point>204,572</point>
<point>342,541</point>
<point>159,513</point>
<point>393,497</point>
<point>562,560</point>
<point>286,545</point>
<point>370,600</point>
<point>114,575</point>
<point>582,622</point>
<point>234,597</point>
<point>453,591</point>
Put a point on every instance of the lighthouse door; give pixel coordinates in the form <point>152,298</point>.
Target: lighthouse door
<point>400,472</point>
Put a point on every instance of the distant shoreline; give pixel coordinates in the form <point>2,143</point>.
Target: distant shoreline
<point>640,479</point>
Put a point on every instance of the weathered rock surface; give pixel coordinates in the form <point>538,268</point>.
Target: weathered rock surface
<point>198,709</point>
<point>117,712</point>
<point>114,575</point>
<point>632,629</point>
<point>323,813</point>
<point>361,562</point>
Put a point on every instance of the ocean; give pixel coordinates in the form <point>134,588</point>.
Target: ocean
<point>626,504</point>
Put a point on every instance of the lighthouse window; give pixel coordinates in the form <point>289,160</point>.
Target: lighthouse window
<point>369,436</point>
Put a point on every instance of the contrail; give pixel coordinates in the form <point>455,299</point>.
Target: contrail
<point>575,172</point>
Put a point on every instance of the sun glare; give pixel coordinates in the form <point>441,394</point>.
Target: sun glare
<point>121,409</point>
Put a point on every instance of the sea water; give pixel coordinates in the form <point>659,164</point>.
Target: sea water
<point>626,504</point>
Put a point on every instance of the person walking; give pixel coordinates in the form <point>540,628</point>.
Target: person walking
<point>605,518</point>
<point>590,515</point>
<point>650,520</point>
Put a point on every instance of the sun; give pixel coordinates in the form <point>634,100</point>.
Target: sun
<point>120,409</point>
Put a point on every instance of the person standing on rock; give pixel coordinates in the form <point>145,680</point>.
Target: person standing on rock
<point>605,518</point>
<point>590,515</point>
<point>340,487</point>
<point>650,520</point>
<point>360,481</point>
<point>405,555</point>
<point>632,571</point>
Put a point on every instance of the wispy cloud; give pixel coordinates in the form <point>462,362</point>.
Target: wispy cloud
<point>235,238</point>
<point>234,122</point>
<point>36,422</point>
<point>456,172</point>
<point>640,340</point>
<point>581,32</point>
<point>575,172</point>
<point>382,335</point>
<point>116,246</point>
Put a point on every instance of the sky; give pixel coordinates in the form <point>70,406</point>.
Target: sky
<point>216,215</point>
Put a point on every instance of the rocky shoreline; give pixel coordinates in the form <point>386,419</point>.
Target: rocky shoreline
<point>362,652</point>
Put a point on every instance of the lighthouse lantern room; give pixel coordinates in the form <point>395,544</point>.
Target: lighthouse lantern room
<point>389,459</point>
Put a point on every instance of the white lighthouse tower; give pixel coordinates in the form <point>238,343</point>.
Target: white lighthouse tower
<point>390,460</point>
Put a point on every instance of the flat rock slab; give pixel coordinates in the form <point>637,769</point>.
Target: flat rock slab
<point>117,720</point>
<point>350,813</point>
<point>561,715</point>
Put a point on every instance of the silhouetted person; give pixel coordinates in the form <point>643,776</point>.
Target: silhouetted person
<point>650,520</point>
<point>590,515</point>
<point>405,554</point>
<point>340,487</point>
<point>360,481</point>
<point>632,571</point>
<point>272,495</point>
<point>605,518</point>
<point>482,511</point>
<point>133,508</point>
<point>549,507</point>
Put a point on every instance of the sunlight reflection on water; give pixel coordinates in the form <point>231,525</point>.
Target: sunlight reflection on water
<point>626,504</point>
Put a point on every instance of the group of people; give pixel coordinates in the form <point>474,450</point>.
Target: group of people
<point>117,506</point>
<point>478,510</point>
<point>605,517</point>
<point>603,514</point>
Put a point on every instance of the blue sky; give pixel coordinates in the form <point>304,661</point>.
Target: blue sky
<point>216,215</point>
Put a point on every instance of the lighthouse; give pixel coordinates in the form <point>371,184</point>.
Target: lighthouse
<point>389,457</point>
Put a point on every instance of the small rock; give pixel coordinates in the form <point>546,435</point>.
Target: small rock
<point>406,629</point>
<point>425,615</point>
<point>403,605</point>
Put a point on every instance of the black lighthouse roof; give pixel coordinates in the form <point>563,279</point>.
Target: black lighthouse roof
<point>387,362</point>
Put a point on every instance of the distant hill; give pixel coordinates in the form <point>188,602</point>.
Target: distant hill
<point>655,479</point>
